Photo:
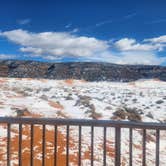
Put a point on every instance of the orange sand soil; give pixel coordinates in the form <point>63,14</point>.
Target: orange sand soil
<point>37,147</point>
<point>56,105</point>
<point>2,81</point>
<point>69,81</point>
<point>72,81</point>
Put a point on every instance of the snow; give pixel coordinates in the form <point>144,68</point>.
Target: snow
<point>85,100</point>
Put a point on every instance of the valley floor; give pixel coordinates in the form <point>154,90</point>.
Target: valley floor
<point>143,101</point>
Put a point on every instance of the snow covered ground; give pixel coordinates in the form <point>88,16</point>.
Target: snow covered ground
<point>143,100</point>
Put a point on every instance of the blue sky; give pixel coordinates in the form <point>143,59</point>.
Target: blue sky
<point>119,31</point>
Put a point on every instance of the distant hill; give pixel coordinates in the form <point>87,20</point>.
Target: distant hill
<point>90,71</point>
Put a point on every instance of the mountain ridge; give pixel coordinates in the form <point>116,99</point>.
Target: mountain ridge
<point>89,71</point>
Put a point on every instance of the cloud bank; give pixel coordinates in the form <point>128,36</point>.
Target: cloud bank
<point>7,56</point>
<point>57,45</point>
<point>24,21</point>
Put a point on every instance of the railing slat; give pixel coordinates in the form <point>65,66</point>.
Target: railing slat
<point>55,145</point>
<point>8,143</point>
<point>157,147</point>
<point>104,148</point>
<point>117,146</point>
<point>79,146</point>
<point>20,145</point>
<point>31,150</point>
<point>144,148</point>
<point>92,143</point>
<point>130,146</point>
<point>67,145</point>
<point>43,145</point>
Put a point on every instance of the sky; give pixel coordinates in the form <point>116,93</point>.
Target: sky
<point>113,31</point>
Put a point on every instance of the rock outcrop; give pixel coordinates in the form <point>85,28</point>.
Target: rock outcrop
<point>89,71</point>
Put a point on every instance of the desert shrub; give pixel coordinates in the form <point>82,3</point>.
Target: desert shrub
<point>134,100</point>
<point>69,97</point>
<point>23,91</point>
<point>108,108</point>
<point>159,101</point>
<point>83,100</point>
<point>164,98</point>
<point>46,89</point>
<point>131,114</point>
<point>95,115</point>
<point>150,115</point>
<point>120,114</point>
<point>92,112</point>
<point>21,112</point>
<point>44,97</point>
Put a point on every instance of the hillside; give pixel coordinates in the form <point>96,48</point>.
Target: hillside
<point>81,70</point>
<point>81,99</point>
<point>143,101</point>
<point>81,91</point>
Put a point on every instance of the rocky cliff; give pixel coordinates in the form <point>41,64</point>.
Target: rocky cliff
<point>81,70</point>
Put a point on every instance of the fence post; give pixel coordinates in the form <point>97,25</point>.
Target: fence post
<point>8,143</point>
<point>157,147</point>
<point>117,146</point>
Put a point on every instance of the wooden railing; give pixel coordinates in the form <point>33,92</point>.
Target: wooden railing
<point>117,125</point>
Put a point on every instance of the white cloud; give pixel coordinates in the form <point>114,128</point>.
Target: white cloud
<point>75,30</point>
<point>7,56</point>
<point>131,15</point>
<point>146,58</point>
<point>103,23</point>
<point>160,39</point>
<point>130,57</point>
<point>126,17</point>
<point>57,44</point>
<point>68,25</point>
<point>24,21</point>
<point>127,44</point>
